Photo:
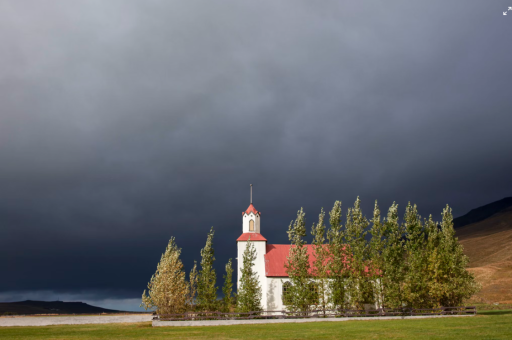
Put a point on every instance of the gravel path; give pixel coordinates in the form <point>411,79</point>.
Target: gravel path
<point>71,320</point>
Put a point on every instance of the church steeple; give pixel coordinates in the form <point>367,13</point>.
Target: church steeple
<point>251,218</point>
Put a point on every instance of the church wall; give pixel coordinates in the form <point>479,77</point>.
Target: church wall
<point>274,291</point>
<point>259,265</point>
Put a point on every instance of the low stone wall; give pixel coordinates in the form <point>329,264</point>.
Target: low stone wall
<point>158,323</point>
<point>72,320</point>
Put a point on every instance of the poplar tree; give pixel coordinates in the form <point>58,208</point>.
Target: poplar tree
<point>227,289</point>
<point>416,278</point>
<point>300,293</point>
<point>378,247</point>
<point>249,292</point>
<point>337,263</point>
<point>450,284</point>
<point>393,264</point>
<point>193,275</point>
<point>206,289</point>
<point>167,290</point>
<point>320,269</point>
<point>359,285</point>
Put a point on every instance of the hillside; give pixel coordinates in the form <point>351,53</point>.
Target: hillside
<point>52,307</point>
<point>488,243</point>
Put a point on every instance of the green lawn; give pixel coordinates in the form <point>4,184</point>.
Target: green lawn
<point>495,324</point>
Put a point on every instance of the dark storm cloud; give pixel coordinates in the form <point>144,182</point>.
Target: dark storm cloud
<point>125,123</point>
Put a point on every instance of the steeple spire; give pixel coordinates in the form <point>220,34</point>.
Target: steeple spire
<point>251,193</point>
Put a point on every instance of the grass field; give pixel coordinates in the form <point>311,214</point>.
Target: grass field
<point>488,325</point>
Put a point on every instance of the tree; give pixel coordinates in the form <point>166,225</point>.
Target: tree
<point>378,246</point>
<point>167,290</point>
<point>206,289</point>
<point>359,284</point>
<point>337,263</point>
<point>416,260</point>
<point>450,283</point>
<point>393,265</point>
<point>300,292</point>
<point>228,287</point>
<point>192,286</point>
<point>249,292</point>
<point>320,264</point>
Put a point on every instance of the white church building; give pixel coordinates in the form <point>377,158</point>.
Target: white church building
<point>270,260</point>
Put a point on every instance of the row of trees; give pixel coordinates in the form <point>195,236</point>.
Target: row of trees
<point>170,293</point>
<point>414,263</point>
<point>417,263</point>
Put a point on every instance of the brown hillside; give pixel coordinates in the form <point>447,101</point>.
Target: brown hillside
<point>488,244</point>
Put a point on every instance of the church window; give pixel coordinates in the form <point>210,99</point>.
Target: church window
<point>251,225</point>
<point>286,293</point>
<point>313,293</point>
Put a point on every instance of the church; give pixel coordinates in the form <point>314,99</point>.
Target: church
<point>270,260</point>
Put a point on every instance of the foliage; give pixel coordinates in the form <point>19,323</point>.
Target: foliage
<point>416,260</point>
<point>320,265</point>
<point>450,283</point>
<point>377,248</point>
<point>206,289</point>
<point>249,292</point>
<point>416,263</point>
<point>193,275</point>
<point>359,284</point>
<point>168,290</point>
<point>300,293</point>
<point>337,264</point>
<point>227,289</point>
<point>393,265</point>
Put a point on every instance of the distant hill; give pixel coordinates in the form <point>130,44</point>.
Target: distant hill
<point>52,307</point>
<point>487,240</point>
<point>482,213</point>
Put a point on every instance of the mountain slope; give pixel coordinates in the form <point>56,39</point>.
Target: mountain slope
<point>52,307</point>
<point>488,243</point>
<point>483,212</point>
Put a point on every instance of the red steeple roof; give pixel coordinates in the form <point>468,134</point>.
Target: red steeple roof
<point>251,236</point>
<point>251,209</point>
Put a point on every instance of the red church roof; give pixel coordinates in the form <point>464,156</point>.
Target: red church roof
<point>276,257</point>
<point>253,236</point>
<point>251,209</point>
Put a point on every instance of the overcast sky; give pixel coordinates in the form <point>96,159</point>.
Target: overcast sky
<point>123,123</point>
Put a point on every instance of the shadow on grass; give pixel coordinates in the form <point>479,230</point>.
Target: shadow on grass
<point>495,312</point>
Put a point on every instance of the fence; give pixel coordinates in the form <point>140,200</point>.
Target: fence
<point>332,313</point>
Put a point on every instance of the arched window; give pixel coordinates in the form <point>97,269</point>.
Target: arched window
<point>251,225</point>
<point>286,293</point>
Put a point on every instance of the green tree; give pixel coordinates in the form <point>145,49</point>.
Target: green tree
<point>320,264</point>
<point>337,263</point>
<point>227,289</point>
<point>378,247</point>
<point>248,298</point>
<point>359,284</point>
<point>167,290</point>
<point>393,261</point>
<point>450,283</point>
<point>206,289</point>
<point>193,276</point>
<point>300,292</point>
<point>416,257</point>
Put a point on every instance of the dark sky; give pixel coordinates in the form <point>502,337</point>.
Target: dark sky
<point>123,123</point>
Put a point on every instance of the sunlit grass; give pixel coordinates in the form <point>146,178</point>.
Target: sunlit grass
<point>487,325</point>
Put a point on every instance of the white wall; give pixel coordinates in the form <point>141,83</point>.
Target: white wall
<point>274,293</point>
<point>259,265</point>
